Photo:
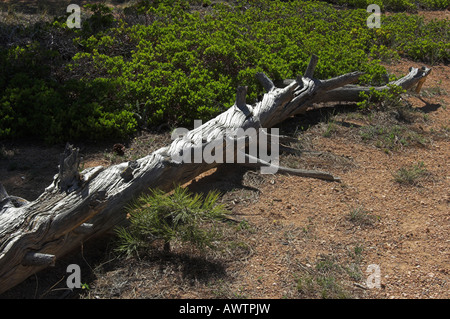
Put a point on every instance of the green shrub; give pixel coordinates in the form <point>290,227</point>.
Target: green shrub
<point>181,216</point>
<point>411,37</point>
<point>101,18</point>
<point>396,5</point>
<point>383,100</point>
<point>183,75</point>
<point>411,175</point>
<point>181,65</point>
<point>361,217</point>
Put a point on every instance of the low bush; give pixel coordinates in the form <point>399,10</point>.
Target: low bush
<point>396,5</point>
<point>411,175</point>
<point>383,100</point>
<point>169,62</point>
<point>181,216</point>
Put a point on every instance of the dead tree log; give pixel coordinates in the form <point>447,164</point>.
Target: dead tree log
<point>80,205</point>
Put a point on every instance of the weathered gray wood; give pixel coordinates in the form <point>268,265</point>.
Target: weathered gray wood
<point>84,229</point>
<point>351,93</point>
<point>311,66</point>
<point>241,103</point>
<point>79,206</point>
<point>38,259</point>
<point>256,162</point>
<point>265,81</point>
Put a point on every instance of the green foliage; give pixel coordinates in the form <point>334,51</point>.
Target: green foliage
<point>411,37</point>
<point>383,100</point>
<point>391,137</point>
<point>101,18</point>
<point>324,281</point>
<point>396,5</point>
<point>411,175</point>
<point>179,217</point>
<point>164,62</point>
<point>44,108</point>
<point>361,217</point>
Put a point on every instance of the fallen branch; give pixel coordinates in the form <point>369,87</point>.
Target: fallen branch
<point>78,206</point>
<point>256,162</point>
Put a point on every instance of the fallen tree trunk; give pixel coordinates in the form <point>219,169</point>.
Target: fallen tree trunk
<point>78,206</point>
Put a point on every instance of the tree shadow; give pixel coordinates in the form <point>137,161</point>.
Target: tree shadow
<point>315,116</point>
<point>227,177</point>
<point>192,268</point>
<point>51,282</point>
<point>97,258</point>
<point>429,107</point>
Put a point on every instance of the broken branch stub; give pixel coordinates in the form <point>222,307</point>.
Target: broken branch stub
<point>68,176</point>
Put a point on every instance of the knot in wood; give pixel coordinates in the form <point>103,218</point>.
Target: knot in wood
<point>127,173</point>
<point>97,198</point>
<point>68,169</point>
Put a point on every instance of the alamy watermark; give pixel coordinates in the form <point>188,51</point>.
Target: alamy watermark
<point>230,146</point>
<point>374,20</point>
<point>374,276</point>
<point>74,19</point>
<point>74,279</point>
<point>373,280</point>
